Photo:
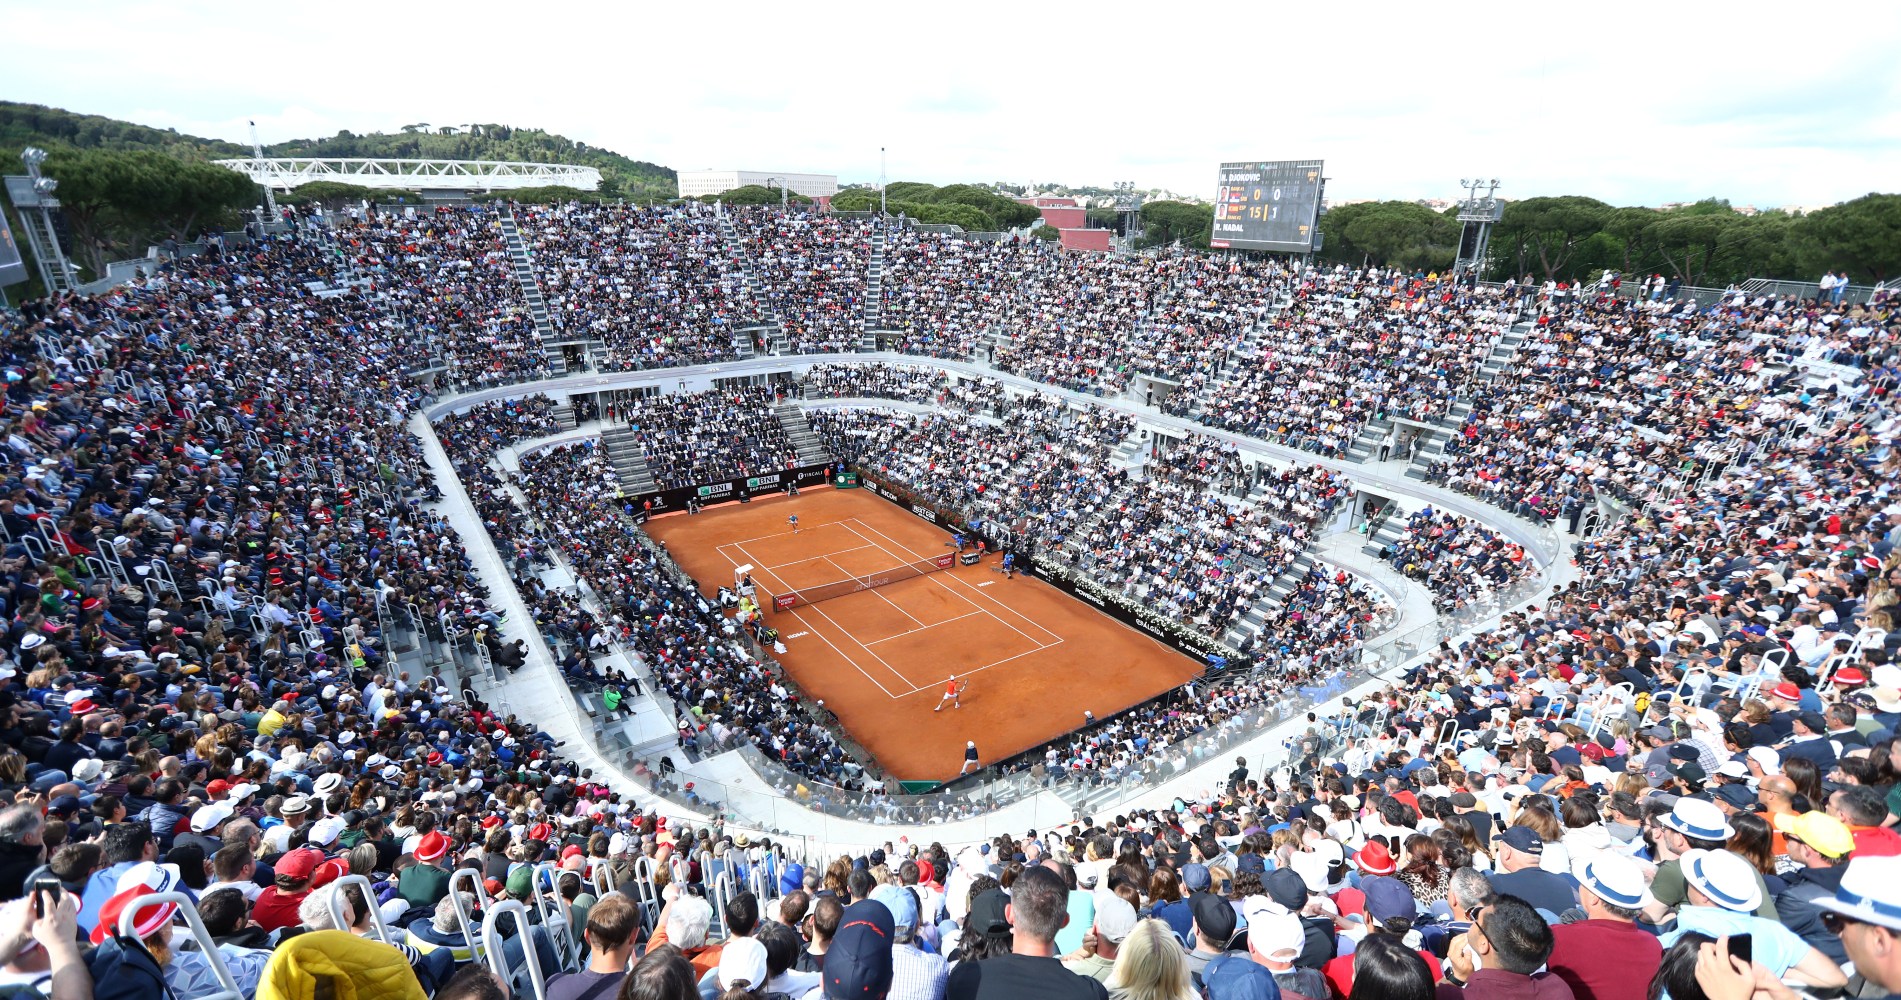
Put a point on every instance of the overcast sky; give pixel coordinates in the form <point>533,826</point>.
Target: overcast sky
<point>1633,103</point>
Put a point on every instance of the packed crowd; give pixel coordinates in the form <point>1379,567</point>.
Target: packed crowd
<point>1031,476</point>
<point>441,282</point>
<point>1461,561</point>
<point>216,542</point>
<point>910,383</point>
<point>656,285</point>
<point>1350,347</point>
<point>1184,540</point>
<point>705,437</point>
<point>813,268</point>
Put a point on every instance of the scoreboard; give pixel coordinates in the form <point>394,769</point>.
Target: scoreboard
<point>1267,205</point>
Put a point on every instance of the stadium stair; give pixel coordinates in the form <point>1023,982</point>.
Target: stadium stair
<point>871,309</point>
<point>523,264</point>
<point>564,416</point>
<point>1366,447</point>
<point>1504,350</point>
<point>623,453</point>
<point>798,430</point>
<point>1389,533</point>
<point>1430,446</point>
<point>771,332</point>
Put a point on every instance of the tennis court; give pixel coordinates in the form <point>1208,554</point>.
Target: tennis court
<point>880,653</point>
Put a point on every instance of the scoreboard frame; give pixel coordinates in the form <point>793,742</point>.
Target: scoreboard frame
<point>1268,205</point>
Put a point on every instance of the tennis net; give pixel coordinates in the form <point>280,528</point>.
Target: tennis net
<point>787,600</point>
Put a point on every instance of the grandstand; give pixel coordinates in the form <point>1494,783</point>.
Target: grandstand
<point>354,549</point>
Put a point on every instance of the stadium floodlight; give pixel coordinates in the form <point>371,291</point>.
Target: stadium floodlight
<point>33,156</point>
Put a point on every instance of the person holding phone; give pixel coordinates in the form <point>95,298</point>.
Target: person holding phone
<point>38,943</point>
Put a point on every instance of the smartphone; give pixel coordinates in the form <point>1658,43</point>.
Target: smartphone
<point>46,893</point>
<point>1741,946</point>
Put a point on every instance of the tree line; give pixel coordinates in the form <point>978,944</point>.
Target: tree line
<point>1573,238</point>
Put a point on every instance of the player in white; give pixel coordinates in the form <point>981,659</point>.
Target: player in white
<point>951,694</point>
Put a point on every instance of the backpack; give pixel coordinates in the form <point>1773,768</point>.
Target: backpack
<point>123,970</point>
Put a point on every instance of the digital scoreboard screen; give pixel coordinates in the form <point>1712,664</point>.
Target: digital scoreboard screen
<point>1270,205</point>
<point>12,269</point>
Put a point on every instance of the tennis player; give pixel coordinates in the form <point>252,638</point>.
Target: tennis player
<point>950,695</point>
<point>1009,565</point>
<point>970,758</point>
<point>794,522</point>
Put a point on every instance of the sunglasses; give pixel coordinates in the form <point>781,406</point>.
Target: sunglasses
<point>1836,922</point>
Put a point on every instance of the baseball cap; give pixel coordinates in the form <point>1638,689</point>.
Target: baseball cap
<point>1214,915</point>
<point>1387,898</point>
<point>1115,918</point>
<point>1195,877</point>
<point>299,863</point>
<point>208,817</point>
<point>858,965</point>
<point>1524,838</point>
<point>900,901</point>
<point>742,960</point>
<point>1275,934</point>
<point>1819,830</point>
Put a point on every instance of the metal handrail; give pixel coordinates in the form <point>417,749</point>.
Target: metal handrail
<point>337,917</point>
<point>128,924</point>
<point>497,961</point>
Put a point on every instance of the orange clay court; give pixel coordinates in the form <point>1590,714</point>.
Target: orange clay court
<point>1035,658</point>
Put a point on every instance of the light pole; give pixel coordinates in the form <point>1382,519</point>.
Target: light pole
<point>881,182</point>
<point>782,194</point>
<point>42,233</point>
<point>1478,212</point>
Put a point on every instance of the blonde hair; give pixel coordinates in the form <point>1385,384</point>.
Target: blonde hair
<point>1150,965</point>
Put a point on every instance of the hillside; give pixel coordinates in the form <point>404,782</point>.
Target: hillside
<point>33,124</point>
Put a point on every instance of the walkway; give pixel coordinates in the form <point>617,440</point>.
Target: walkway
<point>536,692</point>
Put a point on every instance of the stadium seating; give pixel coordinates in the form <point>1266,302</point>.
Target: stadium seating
<point>227,574</point>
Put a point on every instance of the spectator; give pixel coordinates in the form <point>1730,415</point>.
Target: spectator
<point>1149,964</point>
<point>1385,969</point>
<point>612,925</point>
<point>1037,909</point>
<point>859,964</point>
<point>1507,945</point>
<point>1613,896</point>
<point>1724,893</point>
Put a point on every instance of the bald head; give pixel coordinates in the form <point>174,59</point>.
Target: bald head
<point>1777,784</point>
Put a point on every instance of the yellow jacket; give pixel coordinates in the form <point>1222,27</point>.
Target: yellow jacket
<point>338,965</point>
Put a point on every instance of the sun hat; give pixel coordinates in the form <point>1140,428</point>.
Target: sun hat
<point>1870,891</point>
<point>1616,880</point>
<point>1724,877</point>
<point>1374,859</point>
<point>1698,818</point>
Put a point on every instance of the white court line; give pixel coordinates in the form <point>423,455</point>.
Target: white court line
<point>926,628</point>
<point>901,611</point>
<point>979,593</point>
<point>987,666</point>
<point>804,529</point>
<point>821,634</point>
<point>847,633</point>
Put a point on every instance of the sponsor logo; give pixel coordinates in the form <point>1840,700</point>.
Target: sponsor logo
<point>785,603</point>
<point>1150,629</point>
<point>925,513</point>
<point>757,481</point>
<point>720,489</point>
<point>870,582</point>
<point>1093,599</point>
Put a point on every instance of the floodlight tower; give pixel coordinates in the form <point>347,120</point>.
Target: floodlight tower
<point>782,194</point>
<point>257,154</point>
<point>33,196</point>
<point>1478,212</point>
<point>1129,205</point>
<point>881,181</point>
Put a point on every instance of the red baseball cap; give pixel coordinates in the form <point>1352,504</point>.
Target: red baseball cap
<point>435,758</point>
<point>299,864</point>
<point>1850,677</point>
<point>217,788</point>
<point>1786,691</point>
<point>541,832</point>
<point>329,872</point>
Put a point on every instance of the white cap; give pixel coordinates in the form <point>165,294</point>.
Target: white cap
<point>1870,891</point>
<point>1728,880</point>
<point>207,818</point>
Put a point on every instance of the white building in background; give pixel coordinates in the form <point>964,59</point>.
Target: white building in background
<point>699,183</point>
